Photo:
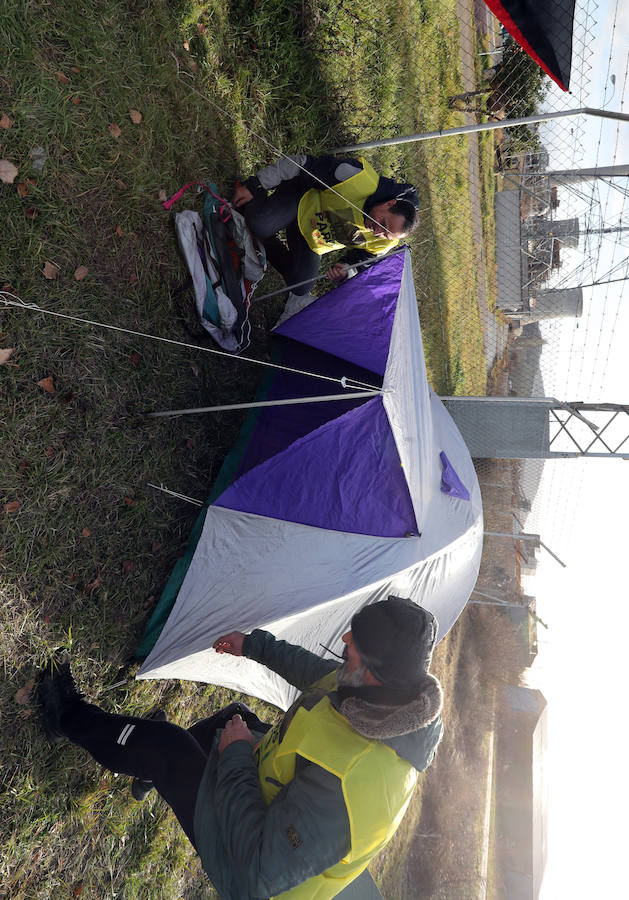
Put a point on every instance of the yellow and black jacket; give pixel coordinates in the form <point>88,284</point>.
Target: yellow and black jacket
<point>324,790</point>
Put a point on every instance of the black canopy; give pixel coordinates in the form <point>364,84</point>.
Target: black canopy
<point>543,28</point>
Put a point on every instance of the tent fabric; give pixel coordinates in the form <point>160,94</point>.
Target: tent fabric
<point>278,427</point>
<point>272,554</point>
<point>543,29</point>
<point>353,325</point>
<point>367,495</point>
<point>450,481</point>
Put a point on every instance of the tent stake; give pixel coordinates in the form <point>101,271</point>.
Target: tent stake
<point>323,399</point>
<point>160,487</point>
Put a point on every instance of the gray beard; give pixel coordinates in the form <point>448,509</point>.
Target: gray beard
<point>351,679</point>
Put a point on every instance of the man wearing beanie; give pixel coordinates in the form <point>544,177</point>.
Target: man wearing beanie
<point>298,810</point>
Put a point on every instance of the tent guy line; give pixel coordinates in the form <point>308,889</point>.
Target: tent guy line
<point>18,303</point>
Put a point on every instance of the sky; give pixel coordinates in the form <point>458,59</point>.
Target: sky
<point>581,512</point>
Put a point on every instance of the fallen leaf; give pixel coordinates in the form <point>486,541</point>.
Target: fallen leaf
<point>157,546</point>
<point>162,196</point>
<point>189,444</point>
<point>134,359</point>
<point>201,28</point>
<point>62,78</point>
<point>129,501</point>
<point>92,585</point>
<point>86,533</point>
<point>12,506</point>
<point>31,213</point>
<point>186,45</point>
<point>193,66</point>
<point>80,272</point>
<point>50,271</point>
<point>195,369</point>
<point>22,189</point>
<point>76,99</point>
<point>78,890</point>
<point>5,122</point>
<point>5,354</point>
<point>135,116</point>
<point>50,451</point>
<point>47,384</point>
<point>8,172</point>
<point>148,603</point>
<point>133,278</point>
<point>23,694</point>
<point>23,466</point>
<point>120,184</point>
<point>115,130</point>
<point>75,69</point>
<point>25,713</point>
<point>127,566</point>
<point>119,231</point>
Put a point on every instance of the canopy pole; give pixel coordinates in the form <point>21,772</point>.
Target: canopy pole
<point>485,126</point>
<point>171,413</point>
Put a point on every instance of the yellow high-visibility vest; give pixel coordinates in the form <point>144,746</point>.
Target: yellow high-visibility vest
<point>329,222</point>
<point>377,785</point>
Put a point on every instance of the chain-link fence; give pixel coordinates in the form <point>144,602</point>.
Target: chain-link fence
<point>504,251</point>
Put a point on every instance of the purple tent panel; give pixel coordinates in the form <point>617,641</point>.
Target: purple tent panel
<point>354,320</point>
<point>451,484</point>
<point>344,476</point>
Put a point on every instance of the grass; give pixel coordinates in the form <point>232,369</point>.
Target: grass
<point>89,546</point>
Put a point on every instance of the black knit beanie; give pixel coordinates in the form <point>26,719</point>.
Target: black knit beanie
<point>395,639</point>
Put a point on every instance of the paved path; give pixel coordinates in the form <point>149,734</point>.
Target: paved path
<point>494,332</point>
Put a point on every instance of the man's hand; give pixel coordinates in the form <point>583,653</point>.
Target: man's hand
<point>241,196</point>
<point>235,730</point>
<point>338,272</point>
<point>230,643</point>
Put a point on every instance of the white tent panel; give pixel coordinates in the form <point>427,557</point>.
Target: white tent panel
<point>250,570</point>
<point>406,399</point>
<point>296,590</point>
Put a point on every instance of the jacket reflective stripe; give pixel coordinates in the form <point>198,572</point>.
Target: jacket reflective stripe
<point>329,222</point>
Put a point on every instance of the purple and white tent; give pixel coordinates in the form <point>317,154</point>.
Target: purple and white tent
<point>334,505</point>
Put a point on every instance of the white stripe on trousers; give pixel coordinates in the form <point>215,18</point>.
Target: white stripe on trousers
<point>124,734</point>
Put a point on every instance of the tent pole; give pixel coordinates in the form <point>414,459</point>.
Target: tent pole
<point>323,399</point>
<point>486,126</point>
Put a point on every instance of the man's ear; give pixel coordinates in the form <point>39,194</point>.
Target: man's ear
<point>390,203</point>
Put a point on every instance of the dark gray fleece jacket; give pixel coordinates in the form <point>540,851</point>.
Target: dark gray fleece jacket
<point>245,846</point>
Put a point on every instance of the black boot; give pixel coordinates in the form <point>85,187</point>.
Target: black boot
<point>57,694</point>
<point>141,787</point>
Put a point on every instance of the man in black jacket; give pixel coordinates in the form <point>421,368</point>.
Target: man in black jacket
<point>324,204</point>
<point>314,798</point>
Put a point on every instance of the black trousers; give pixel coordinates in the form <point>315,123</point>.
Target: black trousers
<point>267,214</point>
<point>173,758</point>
